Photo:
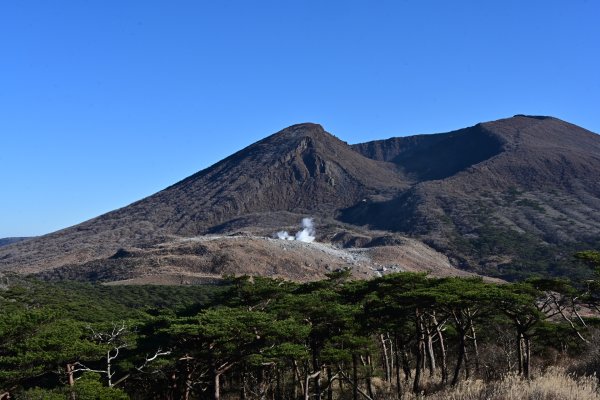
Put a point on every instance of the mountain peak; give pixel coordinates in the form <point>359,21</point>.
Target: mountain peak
<point>302,127</point>
<point>300,131</point>
<point>536,132</point>
<point>540,117</point>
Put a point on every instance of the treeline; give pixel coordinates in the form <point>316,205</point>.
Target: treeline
<point>260,338</point>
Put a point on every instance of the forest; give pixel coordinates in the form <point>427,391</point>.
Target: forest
<point>400,336</point>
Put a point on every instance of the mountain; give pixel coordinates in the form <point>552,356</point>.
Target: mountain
<point>300,171</point>
<point>506,198</point>
<point>11,240</point>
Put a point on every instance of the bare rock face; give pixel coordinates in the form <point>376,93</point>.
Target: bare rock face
<point>505,198</point>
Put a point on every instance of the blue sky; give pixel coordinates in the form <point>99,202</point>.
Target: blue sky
<point>105,102</point>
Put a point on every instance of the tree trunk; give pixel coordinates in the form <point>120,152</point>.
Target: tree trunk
<point>391,353</point>
<point>475,348</point>
<point>329,384</point>
<point>406,365</point>
<point>368,378</point>
<point>527,363</point>
<point>316,369</point>
<point>419,353</point>
<point>430,353</point>
<point>306,386</point>
<point>188,386</point>
<point>520,352</point>
<point>280,385</point>
<point>341,383</point>
<point>354,377</point>
<point>263,384</point>
<point>397,346</point>
<point>108,369</point>
<point>316,377</point>
<point>467,362</point>
<point>294,383</point>
<point>243,385</point>
<point>385,358</point>
<point>173,387</point>
<point>460,359</point>
<point>442,344</point>
<point>71,380</point>
<point>216,386</point>
<point>418,369</point>
<point>398,378</point>
<point>187,390</point>
<point>298,378</point>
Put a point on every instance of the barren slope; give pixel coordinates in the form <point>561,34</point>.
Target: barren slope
<point>301,169</point>
<point>507,198</point>
<point>530,194</point>
<point>207,258</point>
<point>11,240</point>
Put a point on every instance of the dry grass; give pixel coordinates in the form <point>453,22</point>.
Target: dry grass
<point>554,384</point>
<point>209,257</point>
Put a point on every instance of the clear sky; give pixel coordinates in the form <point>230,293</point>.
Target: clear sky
<point>105,102</point>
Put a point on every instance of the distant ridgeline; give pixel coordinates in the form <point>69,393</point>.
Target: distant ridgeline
<point>11,240</point>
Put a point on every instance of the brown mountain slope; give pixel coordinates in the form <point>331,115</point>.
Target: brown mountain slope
<point>428,157</point>
<point>207,258</point>
<point>11,240</point>
<point>531,199</point>
<point>301,169</point>
<point>507,197</point>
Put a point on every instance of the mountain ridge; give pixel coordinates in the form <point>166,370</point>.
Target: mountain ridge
<point>545,172</point>
<point>10,240</point>
<point>517,175</point>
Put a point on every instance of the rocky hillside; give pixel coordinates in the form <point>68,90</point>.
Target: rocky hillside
<point>11,240</point>
<point>299,171</point>
<point>507,198</point>
<point>207,258</point>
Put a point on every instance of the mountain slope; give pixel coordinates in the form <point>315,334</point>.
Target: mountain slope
<point>301,169</point>
<point>438,156</point>
<point>527,207</point>
<point>507,198</point>
<point>11,240</point>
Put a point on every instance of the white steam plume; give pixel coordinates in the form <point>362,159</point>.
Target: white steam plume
<point>307,234</point>
<point>283,235</point>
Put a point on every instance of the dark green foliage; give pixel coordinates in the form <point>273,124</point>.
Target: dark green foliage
<point>592,286</point>
<point>528,255</point>
<point>591,257</point>
<point>261,338</point>
<point>94,303</point>
<point>89,387</point>
<point>532,204</point>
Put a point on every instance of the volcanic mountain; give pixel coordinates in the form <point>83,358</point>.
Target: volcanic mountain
<point>506,198</point>
<point>510,197</point>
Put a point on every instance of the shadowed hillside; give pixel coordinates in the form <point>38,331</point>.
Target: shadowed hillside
<point>11,240</point>
<point>528,206</point>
